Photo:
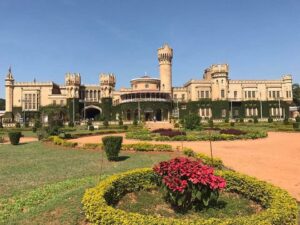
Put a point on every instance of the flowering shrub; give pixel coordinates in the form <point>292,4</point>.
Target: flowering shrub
<point>233,132</point>
<point>168,132</point>
<point>188,183</point>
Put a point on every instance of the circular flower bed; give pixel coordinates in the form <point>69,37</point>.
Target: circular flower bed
<point>98,203</point>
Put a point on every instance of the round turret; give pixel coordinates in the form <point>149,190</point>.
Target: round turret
<point>165,56</point>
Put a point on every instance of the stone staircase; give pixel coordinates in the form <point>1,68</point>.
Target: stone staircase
<point>159,124</point>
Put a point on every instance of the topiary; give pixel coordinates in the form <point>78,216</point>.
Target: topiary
<point>14,137</point>
<point>192,122</point>
<point>71,124</point>
<point>255,120</point>
<point>270,120</point>
<point>112,146</point>
<point>105,123</point>
<point>241,120</point>
<point>232,124</point>
<point>226,120</point>
<point>210,123</point>
<point>135,122</point>
<point>120,122</point>
<point>18,125</point>
<point>91,127</point>
<point>1,125</point>
<point>286,121</point>
<point>297,119</point>
<point>34,129</point>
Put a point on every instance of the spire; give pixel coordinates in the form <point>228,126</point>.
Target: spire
<point>9,74</point>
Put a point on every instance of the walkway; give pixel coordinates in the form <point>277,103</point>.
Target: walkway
<point>275,159</point>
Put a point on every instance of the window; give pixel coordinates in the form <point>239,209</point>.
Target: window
<point>30,101</point>
<point>246,94</point>
<point>206,94</point>
<point>61,102</point>
<point>183,107</point>
<point>235,94</point>
<point>270,94</point>
<point>276,112</point>
<point>222,94</point>
<point>274,94</point>
<point>251,112</point>
<point>253,94</point>
<point>202,94</point>
<point>278,94</point>
<point>205,112</point>
<point>183,96</point>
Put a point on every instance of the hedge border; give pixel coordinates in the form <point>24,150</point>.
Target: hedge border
<point>280,207</point>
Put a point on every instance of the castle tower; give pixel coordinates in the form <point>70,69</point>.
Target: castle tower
<point>219,78</point>
<point>72,82</point>
<point>107,83</point>
<point>165,56</point>
<point>9,86</point>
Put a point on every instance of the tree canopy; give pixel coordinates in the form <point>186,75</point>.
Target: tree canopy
<point>2,104</point>
<point>296,94</point>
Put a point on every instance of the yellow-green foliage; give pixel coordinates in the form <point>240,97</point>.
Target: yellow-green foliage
<point>93,146</point>
<point>215,162</point>
<point>279,207</point>
<point>145,146</point>
<point>59,141</point>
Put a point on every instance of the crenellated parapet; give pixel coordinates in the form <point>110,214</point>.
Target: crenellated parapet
<point>107,84</point>
<point>72,82</point>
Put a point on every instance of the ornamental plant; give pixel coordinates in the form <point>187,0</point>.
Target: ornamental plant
<point>188,183</point>
<point>112,146</point>
<point>14,137</point>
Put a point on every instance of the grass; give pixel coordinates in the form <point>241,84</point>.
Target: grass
<point>44,184</point>
<point>152,202</point>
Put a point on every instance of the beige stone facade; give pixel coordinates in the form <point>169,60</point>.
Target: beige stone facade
<point>215,85</point>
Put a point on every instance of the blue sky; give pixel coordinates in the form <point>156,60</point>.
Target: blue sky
<point>45,39</point>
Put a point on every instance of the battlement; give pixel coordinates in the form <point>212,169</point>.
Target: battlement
<point>165,54</point>
<point>72,79</point>
<point>107,79</point>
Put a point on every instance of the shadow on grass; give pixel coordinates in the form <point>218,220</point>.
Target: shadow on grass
<point>121,158</point>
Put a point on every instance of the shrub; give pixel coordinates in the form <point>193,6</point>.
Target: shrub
<point>189,152</point>
<point>135,122</point>
<point>71,124</point>
<point>1,125</point>
<point>297,119</point>
<point>270,120</point>
<point>286,121</point>
<point>250,121</point>
<point>192,122</point>
<point>233,132</point>
<point>91,127</point>
<point>168,132</point>
<point>18,125</point>
<point>144,146</point>
<point>296,125</point>
<point>1,139</point>
<point>105,123</point>
<point>37,124</point>
<point>210,123</point>
<point>280,207</point>
<point>69,144</point>
<point>34,129</point>
<point>120,122</point>
<point>241,120</point>
<point>42,134</point>
<point>255,119</point>
<point>176,125</point>
<point>232,124</point>
<point>188,183</point>
<point>226,120</point>
<point>112,146</point>
<point>14,137</point>
<point>26,124</point>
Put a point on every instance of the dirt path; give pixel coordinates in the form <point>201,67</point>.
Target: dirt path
<point>23,140</point>
<point>275,159</point>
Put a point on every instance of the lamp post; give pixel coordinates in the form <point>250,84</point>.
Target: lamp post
<point>83,101</point>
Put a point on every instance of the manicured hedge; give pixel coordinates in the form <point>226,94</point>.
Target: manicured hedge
<point>279,207</point>
<point>112,146</point>
<point>59,141</point>
<point>146,147</point>
<point>14,137</point>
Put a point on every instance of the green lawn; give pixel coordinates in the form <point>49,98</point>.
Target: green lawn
<point>44,184</point>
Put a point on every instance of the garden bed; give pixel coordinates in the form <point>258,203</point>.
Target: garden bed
<point>99,202</point>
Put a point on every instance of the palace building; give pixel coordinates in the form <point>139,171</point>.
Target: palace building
<point>214,96</point>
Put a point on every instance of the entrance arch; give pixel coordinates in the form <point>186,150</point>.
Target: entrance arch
<point>92,112</point>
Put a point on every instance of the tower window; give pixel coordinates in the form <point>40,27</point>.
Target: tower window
<point>222,94</point>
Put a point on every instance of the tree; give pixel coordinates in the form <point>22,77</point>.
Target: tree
<point>296,94</point>
<point>2,104</point>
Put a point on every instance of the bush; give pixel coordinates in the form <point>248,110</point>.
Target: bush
<point>280,207</point>
<point>270,120</point>
<point>168,132</point>
<point>296,125</point>
<point>255,120</point>
<point>91,128</point>
<point>71,124</point>
<point>146,147</point>
<point>226,120</point>
<point>1,125</point>
<point>112,146</point>
<point>297,119</point>
<point>105,123</point>
<point>233,132</point>
<point>176,125</point>
<point>286,121</point>
<point>42,134</point>
<point>37,124</point>
<point>232,124</point>
<point>1,139</point>
<point>120,122</point>
<point>135,122</point>
<point>250,121</point>
<point>192,122</point>
<point>18,125</point>
<point>34,129</point>
<point>210,123</point>
<point>14,137</point>
<point>188,183</point>
<point>189,152</point>
<point>241,120</point>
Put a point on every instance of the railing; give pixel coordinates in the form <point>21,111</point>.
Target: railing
<point>145,100</point>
